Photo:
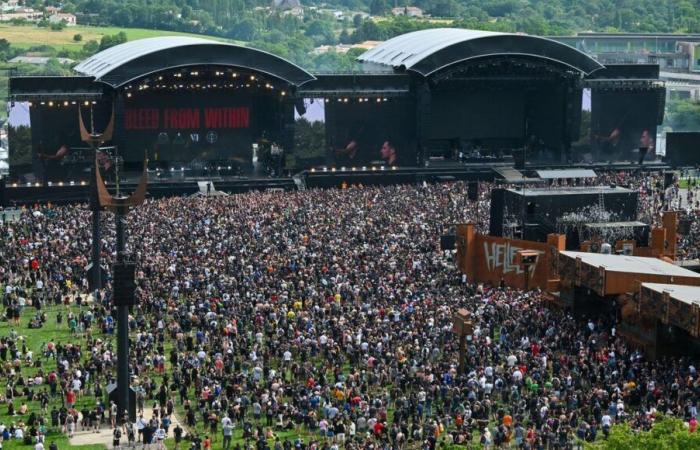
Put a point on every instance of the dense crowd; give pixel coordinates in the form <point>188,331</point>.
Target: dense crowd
<point>313,320</point>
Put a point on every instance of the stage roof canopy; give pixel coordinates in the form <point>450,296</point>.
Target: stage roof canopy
<point>428,51</point>
<point>126,62</point>
<point>566,173</point>
<point>632,264</point>
<point>686,294</point>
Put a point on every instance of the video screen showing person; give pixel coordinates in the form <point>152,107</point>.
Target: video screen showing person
<point>373,131</point>
<point>58,152</point>
<point>309,133</point>
<point>623,125</point>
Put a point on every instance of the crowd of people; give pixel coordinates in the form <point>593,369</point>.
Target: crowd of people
<point>319,319</point>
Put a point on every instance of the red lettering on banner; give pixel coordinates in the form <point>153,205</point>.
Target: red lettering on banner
<point>186,118</point>
<point>181,118</point>
<point>141,119</point>
<point>226,117</point>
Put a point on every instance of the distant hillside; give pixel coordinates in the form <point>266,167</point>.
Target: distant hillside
<point>293,28</point>
<point>32,37</point>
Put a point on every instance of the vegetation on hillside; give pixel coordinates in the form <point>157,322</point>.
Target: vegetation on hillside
<point>294,35</point>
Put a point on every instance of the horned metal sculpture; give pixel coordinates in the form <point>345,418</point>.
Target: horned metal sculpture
<point>123,286</point>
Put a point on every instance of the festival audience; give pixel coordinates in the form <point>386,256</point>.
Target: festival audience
<point>325,313</point>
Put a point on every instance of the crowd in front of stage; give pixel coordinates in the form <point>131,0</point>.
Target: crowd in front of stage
<point>313,320</point>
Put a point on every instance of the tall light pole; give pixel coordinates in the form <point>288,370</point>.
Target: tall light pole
<point>123,284</point>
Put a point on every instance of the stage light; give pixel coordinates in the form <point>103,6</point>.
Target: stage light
<point>182,169</point>
<point>384,99</point>
<point>393,167</point>
<point>86,103</point>
<point>284,93</point>
<point>194,73</point>
<point>14,184</point>
<point>83,183</point>
<point>128,94</point>
<point>332,169</point>
<point>94,102</point>
<point>172,169</point>
<point>354,169</point>
<point>65,103</point>
<point>252,77</point>
<point>43,103</point>
<point>379,100</point>
<point>247,85</point>
<point>374,168</point>
<point>218,167</point>
<point>345,100</point>
<point>30,104</point>
<point>29,184</point>
<point>72,103</point>
<point>160,78</point>
<point>325,169</point>
<point>366,99</point>
<point>327,100</point>
<point>228,168</point>
<point>49,183</point>
<point>342,169</point>
<point>60,183</point>
<point>364,167</point>
<point>313,170</point>
<point>382,168</point>
<point>234,75</point>
<point>50,103</point>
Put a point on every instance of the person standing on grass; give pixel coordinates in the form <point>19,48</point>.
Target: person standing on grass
<point>227,429</point>
<point>160,437</point>
<point>177,432</point>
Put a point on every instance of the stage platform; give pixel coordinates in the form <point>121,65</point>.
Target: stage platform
<point>320,177</point>
<point>65,193</point>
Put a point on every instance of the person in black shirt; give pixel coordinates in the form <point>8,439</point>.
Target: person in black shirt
<point>116,436</point>
<point>178,436</point>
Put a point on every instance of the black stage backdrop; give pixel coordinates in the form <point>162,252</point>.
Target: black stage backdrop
<point>205,125</point>
<point>476,115</point>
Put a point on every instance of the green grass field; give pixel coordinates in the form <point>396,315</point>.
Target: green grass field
<point>26,36</point>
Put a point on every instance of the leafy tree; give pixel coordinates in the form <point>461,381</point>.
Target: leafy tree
<point>379,7</point>
<point>91,47</point>
<point>58,26</point>
<point>77,37</point>
<point>110,41</point>
<point>667,433</point>
<point>245,30</point>
<point>682,115</point>
<point>20,139</point>
<point>356,20</point>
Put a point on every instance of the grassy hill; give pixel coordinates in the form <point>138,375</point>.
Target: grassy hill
<point>27,36</point>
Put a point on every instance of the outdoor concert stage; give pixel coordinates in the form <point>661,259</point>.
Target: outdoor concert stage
<point>477,97</point>
<point>77,190</point>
